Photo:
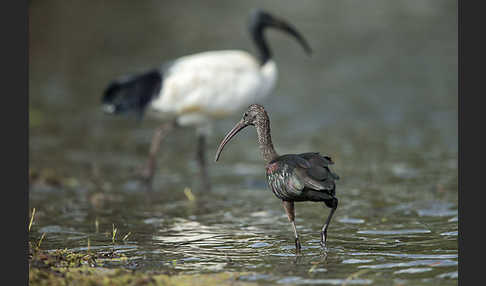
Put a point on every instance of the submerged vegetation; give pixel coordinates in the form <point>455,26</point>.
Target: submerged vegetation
<point>88,267</point>
<point>65,267</point>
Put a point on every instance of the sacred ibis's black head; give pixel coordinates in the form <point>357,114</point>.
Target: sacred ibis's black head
<point>255,115</point>
<point>259,20</point>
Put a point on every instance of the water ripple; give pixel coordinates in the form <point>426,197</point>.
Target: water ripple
<point>433,263</point>
<point>393,232</point>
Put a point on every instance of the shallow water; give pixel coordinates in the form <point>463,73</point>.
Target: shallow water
<point>379,95</point>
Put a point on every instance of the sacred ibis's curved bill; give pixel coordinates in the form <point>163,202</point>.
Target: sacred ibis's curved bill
<point>196,89</point>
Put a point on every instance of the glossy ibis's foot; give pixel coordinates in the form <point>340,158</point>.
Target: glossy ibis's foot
<point>333,205</point>
<point>298,247</point>
<point>324,236</point>
<point>323,244</point>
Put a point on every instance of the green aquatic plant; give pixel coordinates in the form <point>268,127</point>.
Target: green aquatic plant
<point>31,218</point>
<point>113,234</point>
<point>126,236</point>
<point>190,196</point>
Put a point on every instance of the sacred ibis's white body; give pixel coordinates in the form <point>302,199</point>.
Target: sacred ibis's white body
<point>201,87</point>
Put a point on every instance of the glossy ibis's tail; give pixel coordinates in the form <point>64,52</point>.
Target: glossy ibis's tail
<point>133,93</point>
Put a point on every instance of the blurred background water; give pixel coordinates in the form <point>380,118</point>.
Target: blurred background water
<point>378,95</point>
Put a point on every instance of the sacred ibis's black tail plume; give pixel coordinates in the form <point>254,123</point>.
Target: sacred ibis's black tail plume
<point>132,93</point>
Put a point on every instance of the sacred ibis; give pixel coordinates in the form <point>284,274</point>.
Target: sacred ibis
<point>197,89</point>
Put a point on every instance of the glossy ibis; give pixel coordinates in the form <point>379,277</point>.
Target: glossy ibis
<point>194,90</point>
<point>292,177</point>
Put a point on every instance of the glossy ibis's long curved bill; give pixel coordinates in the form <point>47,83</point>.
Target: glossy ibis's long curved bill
<point>286,27</point>
<point>237,128</point>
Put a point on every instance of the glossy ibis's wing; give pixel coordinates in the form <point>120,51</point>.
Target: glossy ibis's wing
<point>317,158</point>
<point>283,181</point>
<point>311,182</point>
<point>290,175</point>
<point>313,171</point>
<point>319,166</point>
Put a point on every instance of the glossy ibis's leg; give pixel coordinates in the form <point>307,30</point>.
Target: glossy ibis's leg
<point>333,205</point>
<point>160,133</point>
<point>201,160</point>
<point>289,209</point>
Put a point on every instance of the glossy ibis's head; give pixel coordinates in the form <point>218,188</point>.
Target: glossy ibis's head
<point>259,20</point>
<point>254,115</point>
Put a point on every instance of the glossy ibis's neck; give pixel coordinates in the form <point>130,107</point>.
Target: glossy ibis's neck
<point>265,139</point>
<point>261,43</point>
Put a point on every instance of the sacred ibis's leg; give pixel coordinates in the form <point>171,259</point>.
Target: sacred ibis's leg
<point>201,161</point>
<point>160,133</point>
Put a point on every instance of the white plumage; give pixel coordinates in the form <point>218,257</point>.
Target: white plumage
<point>211,85</point>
